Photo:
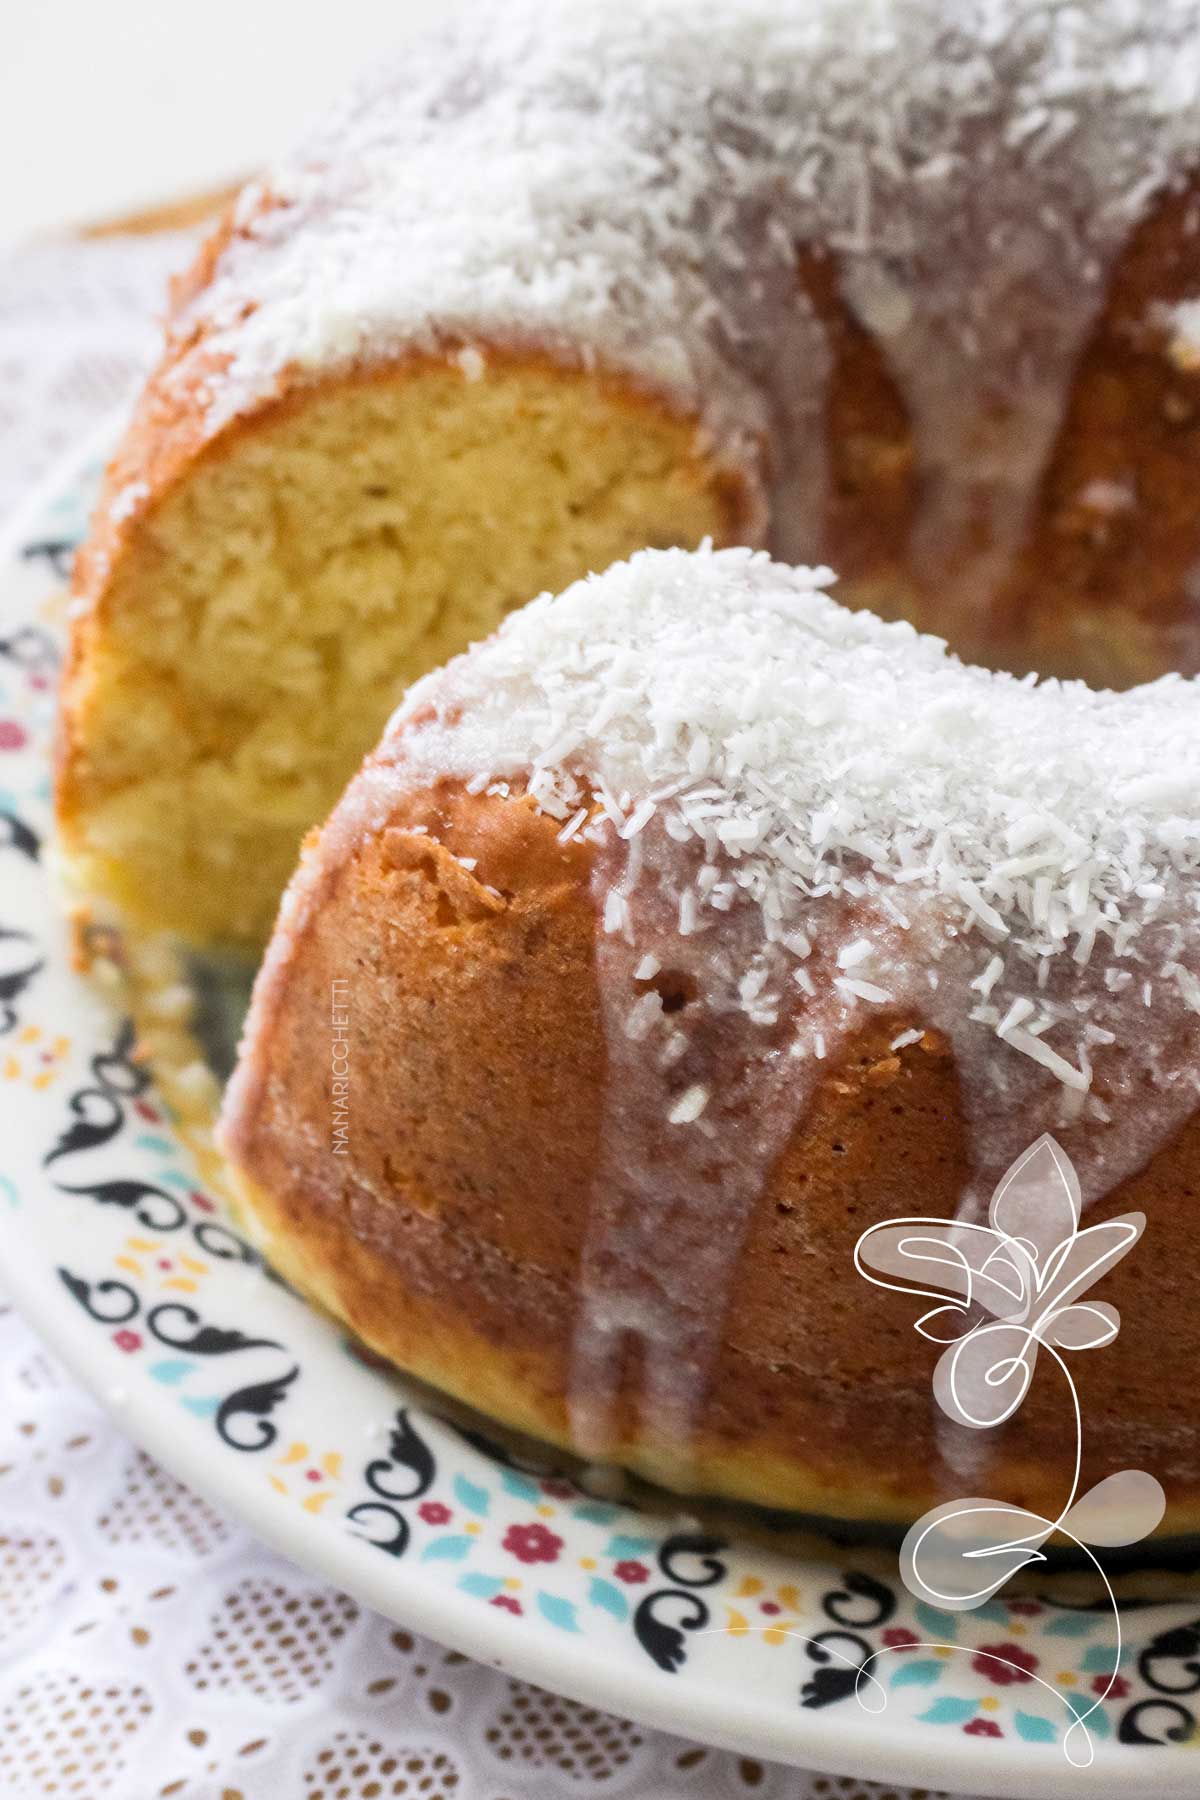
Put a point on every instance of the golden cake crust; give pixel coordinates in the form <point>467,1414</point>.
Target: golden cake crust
<point>450,1235</point>
<point>1098,586</point>
<point>1096,583</point>
<point>980,418</point>
<point>148,522</point>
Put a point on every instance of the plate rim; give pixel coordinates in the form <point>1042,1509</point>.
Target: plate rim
<point>849,1743</point>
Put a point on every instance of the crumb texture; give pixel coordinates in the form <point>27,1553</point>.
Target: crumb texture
<point>878,239</point>
<point>278,602</point>
<point>909,289</point>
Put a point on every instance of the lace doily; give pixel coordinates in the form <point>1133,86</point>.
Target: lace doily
<point>149,1647</point>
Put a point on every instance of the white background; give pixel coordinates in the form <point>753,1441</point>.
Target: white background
<point>110,105</point>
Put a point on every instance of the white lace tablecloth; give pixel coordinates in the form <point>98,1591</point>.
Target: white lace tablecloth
<point>149,1647</point>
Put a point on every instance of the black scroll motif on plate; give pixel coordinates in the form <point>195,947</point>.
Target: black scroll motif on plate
<point>58,553</point>
<point>689,1561</point>
<point>98,1112</point>
<point>861,1604</point>
<point>395,1480</point>
<point>242,1417</point>
<point>1170,1667</point>
<point>20,964</point>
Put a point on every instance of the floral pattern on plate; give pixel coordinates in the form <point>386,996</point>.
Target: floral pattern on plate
<point>131,1263</point>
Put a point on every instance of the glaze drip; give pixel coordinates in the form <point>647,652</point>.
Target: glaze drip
<point>636,189</point>
<point>701,1098</point>
<point>803,819</point>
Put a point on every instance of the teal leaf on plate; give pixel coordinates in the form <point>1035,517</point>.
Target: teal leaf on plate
<point>172,1372</point>
<point>1101,1659</point>
<point>520,1485</point>
<point>558,1611</point>
<point>177,1178</point>
<point>937,1624</point>
<point>485,1587</point>
<point>447,1549</point>
<point>1095,1721</point>
<point>921,1671</point>
<point>595,1512</point>
<point>607,1595</point>
<point>68,504</point>
<point>203,1405</point>
<point>994,1611</point>
<point>620,1545</point>
<point>1034,1729</point>
<point>475,1499</point>
<point>8,1189</point>
<point>148,1141</point>
<point>949,1709</point>
<point>1073,1624</point>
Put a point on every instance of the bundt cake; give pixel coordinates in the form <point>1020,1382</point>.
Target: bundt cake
<point>910,288</point>
<point>671,937</point>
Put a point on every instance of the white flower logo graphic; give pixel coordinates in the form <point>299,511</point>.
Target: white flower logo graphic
<point>1016,1287</point>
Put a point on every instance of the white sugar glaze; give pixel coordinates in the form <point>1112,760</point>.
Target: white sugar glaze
<point>813,819</point>
<point>630,188</point>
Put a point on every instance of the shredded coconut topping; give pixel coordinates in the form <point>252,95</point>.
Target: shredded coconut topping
<point>817,823</point>
<point>1183,327</point>
<point>629,186</point>
<point>1038,838</point>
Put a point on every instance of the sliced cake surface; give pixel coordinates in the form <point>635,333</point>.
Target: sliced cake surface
<point>908,288</point>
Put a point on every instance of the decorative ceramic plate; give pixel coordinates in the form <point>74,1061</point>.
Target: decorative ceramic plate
<point>123,1254</point>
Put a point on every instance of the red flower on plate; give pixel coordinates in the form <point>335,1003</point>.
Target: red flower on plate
<point>631,1570</point>
<point>899,1637</point>
<point>434,1513</point>
<point>532,1543</point>
<point>127,1340</point>
<point>1118,1690</point>
<point>1004,1663</point>
<point>555,1489</point>
<point>507,1601</point>
<point>12,735</point>
<point>1025,1609</point>
<point>983,1728</point>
